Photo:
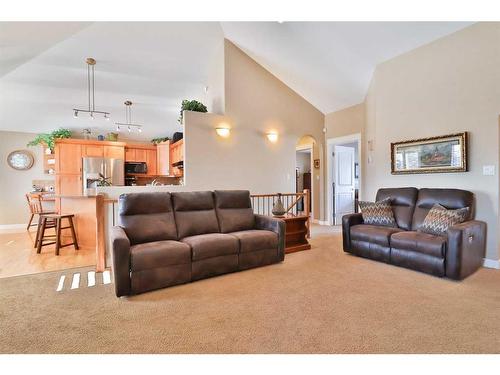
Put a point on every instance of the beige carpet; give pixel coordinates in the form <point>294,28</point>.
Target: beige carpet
<point>317,301</point>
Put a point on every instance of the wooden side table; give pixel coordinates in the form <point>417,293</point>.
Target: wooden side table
<point>296,233</point>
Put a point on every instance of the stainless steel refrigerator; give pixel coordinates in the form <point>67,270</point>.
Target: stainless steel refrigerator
<point>102,172</point>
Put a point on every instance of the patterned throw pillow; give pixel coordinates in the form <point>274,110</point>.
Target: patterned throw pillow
<point>439,219</point>
<point>378,213</point>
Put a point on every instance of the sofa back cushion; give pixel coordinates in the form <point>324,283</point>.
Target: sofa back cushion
<point>403,203</point>
<point>147,217</point>
<point>451,199</point>
<point>234,210</point>
<point>195,213</point>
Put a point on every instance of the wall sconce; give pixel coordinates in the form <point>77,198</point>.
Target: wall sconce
<point>272,136</point>
<point>223,132</point>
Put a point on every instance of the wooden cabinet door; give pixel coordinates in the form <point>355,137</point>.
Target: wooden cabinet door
<point>163,159</point>
<point>92,151</point>
<point>130,154</point>
<point>69,184</point>
<point>114,152</point>
<point>151,162</point>
<point>140,155</point>
<point>68,158</point>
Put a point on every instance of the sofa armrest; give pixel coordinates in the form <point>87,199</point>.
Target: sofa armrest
<point>121,261</point>
<point>275,225</point>
<point>347,222</point>
<point>466,249</point>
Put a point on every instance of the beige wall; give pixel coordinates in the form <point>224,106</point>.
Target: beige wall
<point>258,102</point>
<point>347,121</point>
<point>450,85</point>
<point>15,184</point>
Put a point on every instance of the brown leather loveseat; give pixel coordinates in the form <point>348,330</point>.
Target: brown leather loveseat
<point>166,239</point>
<point>456,255</point>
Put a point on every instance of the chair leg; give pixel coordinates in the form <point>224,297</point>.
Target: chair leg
<point>73,234</point>
<point>40,237</point>
<point>30,221</point>
<point>38,231</point>
<point>58,235</point>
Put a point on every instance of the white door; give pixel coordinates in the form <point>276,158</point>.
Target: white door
<point>343,185</point>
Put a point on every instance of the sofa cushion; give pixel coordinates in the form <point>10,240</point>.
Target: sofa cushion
<point>451,199</point>
<point>234,210</point>
<point>147,217</point>
<point>211,245</point>
<point>195,213</point>
<point>402,202</point>
<point>378,213</point>
<point>439,219</point>
<point>255,240</point>
<point>373,233</point>
<point>419,242</point>
<point>159,254</point>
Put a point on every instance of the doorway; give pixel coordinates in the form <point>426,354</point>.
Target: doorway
<point>344,176</point>
<point>306,175</point>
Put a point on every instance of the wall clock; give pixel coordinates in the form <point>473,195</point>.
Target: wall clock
<point>20,160</point>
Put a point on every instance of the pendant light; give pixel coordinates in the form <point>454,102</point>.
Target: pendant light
<point>128,120</point>
<point>91,93</point>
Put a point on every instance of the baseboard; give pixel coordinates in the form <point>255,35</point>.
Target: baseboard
<point>320,222</point>
<point>12,226</point>
<point>491,263</point>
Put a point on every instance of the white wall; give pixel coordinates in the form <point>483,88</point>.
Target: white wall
<point>448,86</point>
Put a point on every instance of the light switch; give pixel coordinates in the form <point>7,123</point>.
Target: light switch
<point>488,170</point>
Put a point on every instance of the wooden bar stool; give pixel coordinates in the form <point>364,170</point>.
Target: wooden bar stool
<point>57,221</point>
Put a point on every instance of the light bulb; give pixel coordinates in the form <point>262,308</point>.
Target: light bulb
<point>117,128</point>
<point>91,115</point>
<point>139,130</point>
<point>129,129</point>
<point>75,115</point>
<point>106,117</point>
<point>273,137</point>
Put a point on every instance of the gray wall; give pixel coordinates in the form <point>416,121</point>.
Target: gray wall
<point>15,184</point>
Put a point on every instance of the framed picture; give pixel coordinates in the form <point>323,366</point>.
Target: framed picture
<point>442,154</point>
<point>316,163</point>
<point>356,170</point>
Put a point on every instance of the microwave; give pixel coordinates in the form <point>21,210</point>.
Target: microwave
<point>136,167</point>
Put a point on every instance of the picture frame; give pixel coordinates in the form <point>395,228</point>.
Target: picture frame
<point>441,154</point>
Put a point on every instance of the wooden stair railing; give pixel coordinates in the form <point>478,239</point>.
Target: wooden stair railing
<point>263,204</point>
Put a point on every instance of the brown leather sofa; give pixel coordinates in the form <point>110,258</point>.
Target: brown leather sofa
<point>166,239</point>
<point>456,255</point>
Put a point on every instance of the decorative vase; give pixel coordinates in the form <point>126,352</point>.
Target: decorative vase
<point>278,208</point>
<point>112,137</point>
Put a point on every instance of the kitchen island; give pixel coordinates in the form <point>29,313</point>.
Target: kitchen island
<point>89,222</point>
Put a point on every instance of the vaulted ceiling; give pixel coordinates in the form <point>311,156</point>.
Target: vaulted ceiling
<point>156,65</point>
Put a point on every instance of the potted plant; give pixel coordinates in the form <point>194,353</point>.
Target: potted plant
<point>191,105</point>
<point>48,139</point>
<point>155,141</point>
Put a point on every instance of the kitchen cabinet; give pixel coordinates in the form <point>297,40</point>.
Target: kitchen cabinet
<point>68,158</point>
<point>68,161</point>
<point>129,154</point>
<point>136,154</point>
<point>89,151</point>
<point>151,162</point>
<point>176,156</point>
<point>69,184</point>
<point>114,152</point>
<point>163,158</point>
<point>140,155</point>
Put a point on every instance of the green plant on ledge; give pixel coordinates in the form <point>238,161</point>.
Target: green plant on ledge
<point>191,105</point>
<point>155,141</point>
<point>48,139</point>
